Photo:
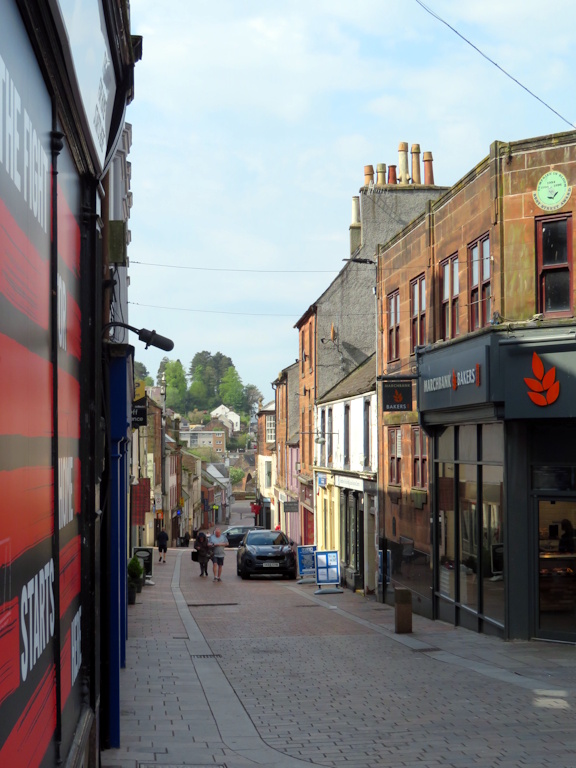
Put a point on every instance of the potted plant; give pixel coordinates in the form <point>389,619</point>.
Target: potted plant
<point>135,572</point>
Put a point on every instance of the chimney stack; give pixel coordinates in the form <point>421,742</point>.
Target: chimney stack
<point>416,179</point>
<point>355,226</point>
<point>381,175</point>
<point>368,175</point>
<point>403,175</point>
<point>428,169</point>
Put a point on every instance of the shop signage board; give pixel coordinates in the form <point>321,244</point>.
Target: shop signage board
<point>291,506</point>
<point>306,564</point>
<point>397,395</point>
<point>327,571</point>
<point>453,377</point>
<point>139,413</point>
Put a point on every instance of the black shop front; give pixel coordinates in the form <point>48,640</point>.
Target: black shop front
<point>500,409</point>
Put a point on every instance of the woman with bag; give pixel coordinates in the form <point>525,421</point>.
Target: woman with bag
<point>203,553</point>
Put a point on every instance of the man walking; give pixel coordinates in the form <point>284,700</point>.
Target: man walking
<point>219,543</point>
<point>162,544</point>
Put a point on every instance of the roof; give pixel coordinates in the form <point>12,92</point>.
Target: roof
<point>359,382</point>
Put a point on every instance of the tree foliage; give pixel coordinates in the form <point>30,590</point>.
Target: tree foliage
<point>141,374</point>
<point>176,388</point>
<point>236,475</point>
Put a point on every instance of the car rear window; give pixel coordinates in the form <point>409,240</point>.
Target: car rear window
<point>266,537</point>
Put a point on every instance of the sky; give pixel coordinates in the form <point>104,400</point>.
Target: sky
<point>252,123</point>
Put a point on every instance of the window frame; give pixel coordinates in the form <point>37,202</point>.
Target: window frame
<point>480,287</point>
<point>419,458</point>
<point>393,311</point>
<point>417,312</point>
<point>449,301</point>
<point>395,455</point>
<point>270,431</point>
<point>543,270</point>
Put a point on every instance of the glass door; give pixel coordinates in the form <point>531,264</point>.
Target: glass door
<point>556,569</point>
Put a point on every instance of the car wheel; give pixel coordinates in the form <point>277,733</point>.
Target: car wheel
<point>292,575</point>
<point>244,574</point>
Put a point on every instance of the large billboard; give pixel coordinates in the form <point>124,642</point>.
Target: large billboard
<point>40,550</point>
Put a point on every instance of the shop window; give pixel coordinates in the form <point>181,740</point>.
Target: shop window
<point>450,288</point>
<point>480,287</point>
<point>394,326</point>
<point>419,458</point>
<point>417,312</point>
<point>395,455</point>
<point>554,255</point>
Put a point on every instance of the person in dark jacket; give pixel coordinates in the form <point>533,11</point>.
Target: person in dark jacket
<point>162,544</point>
<point>204,552</point>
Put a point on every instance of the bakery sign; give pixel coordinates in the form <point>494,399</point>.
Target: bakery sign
<point>453,380</point>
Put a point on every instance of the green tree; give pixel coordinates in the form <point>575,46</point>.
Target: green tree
<point>141,374</point>
<point>231,389</point>
<point>176,389</point>
<point>251,396</point>
<point>236,475</point>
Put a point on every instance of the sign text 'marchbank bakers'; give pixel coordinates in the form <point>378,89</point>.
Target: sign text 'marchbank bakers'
<point>453,380</point>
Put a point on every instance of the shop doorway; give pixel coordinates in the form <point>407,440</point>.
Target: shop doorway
<point>556,592</point>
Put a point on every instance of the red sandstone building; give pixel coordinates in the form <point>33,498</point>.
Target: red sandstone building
<point>477,370</point>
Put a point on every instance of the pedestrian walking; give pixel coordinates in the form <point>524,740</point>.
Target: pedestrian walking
<point>202,546</point>
<point>162,544</point>
<point>219,544</point>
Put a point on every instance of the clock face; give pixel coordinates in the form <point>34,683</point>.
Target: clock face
<point>552,191</point>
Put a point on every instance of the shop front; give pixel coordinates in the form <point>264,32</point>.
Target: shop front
<point>501,413</point>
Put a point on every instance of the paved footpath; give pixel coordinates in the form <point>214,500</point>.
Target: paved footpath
<point>267,673</point>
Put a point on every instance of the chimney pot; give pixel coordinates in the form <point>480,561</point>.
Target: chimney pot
<point>403,175</point>
<point>381,174</point>
<point>416,178</point>
<point>368,175</point>
<point>392,175</point>
<point>428,169</point>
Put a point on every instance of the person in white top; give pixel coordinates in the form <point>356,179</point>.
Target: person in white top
<point>219,544</point>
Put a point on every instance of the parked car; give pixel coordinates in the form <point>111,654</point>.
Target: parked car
<point>236,533</point>
<point>266,552</point>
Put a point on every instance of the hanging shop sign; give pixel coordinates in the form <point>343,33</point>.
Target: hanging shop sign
<point>397,395</point>
<point>139,413</point>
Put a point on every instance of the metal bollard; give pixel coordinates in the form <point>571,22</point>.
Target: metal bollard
<point>402,611</point>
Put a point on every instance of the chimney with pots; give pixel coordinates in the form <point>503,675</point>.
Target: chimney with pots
<point>403,175</point>
<point>355,226</point>
<point>428,169</point>
<point>368,175</point>
<point>415,151</point>
<point>381,175</point>
<point>392,175</point>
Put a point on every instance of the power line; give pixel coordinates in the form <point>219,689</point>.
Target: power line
<point>439,18</point>
<point>230,269</point>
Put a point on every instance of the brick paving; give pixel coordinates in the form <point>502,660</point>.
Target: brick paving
<point>264,672</point>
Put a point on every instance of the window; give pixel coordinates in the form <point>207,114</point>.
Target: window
<point>554,251</point>
<point>323,437</point>
<point>419,458</point>
<point>394,325</point>
<point>270,429</point>
<point>418,312</point>
<point>267,474</point>
<point>346,435</point>
<point>450,288</point>
<point>480,294</point>
<point>394,454</point>
<point>330,436</point>
<point>367,434</point>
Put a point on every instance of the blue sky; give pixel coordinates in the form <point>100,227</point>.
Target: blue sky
<point>252,123</point>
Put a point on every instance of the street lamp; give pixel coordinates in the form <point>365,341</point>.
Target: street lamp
<point>150,338</point>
